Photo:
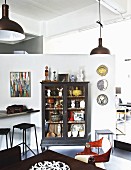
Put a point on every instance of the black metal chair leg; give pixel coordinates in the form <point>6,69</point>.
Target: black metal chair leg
<point>23,141</point>
<point>6,141</point>
<point>36,140</point>
<point>12,138</point>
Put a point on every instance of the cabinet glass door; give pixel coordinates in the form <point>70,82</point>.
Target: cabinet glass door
<point>54,111</point>
<point>76,111</point>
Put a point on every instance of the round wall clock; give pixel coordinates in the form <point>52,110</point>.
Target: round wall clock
<point>102,99</point>
<point>102,84</point>
<point>102,70</point>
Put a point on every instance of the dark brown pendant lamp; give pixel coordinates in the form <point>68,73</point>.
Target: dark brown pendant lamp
<point>9,30</point>
<point>100,49</point>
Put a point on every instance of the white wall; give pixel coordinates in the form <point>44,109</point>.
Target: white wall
<point>61,64</point>
<point>21,62</point>
<point>103,117</point>
<point>116,37</point>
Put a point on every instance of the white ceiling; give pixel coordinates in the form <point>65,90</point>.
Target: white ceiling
<point>46,9</point>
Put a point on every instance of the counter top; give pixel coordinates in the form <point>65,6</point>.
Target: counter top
<point>3,113</point>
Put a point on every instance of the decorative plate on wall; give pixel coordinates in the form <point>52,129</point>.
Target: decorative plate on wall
<point>102,70</point>
<point>102,99</point>
<point>102,84</point>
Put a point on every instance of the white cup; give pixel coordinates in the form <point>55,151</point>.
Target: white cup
<point>81,133</point>
<point>69,134</point>
<point>75,133</point>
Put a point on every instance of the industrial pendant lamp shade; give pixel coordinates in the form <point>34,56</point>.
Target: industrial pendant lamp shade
<point>100,49</point>
<point>9,30</point>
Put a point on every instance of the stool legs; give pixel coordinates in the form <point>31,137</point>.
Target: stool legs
<point>6,132</point>
<point>7,140</point>
<point>12,138</point>
<point>24,142</point>
<point>36,140</point>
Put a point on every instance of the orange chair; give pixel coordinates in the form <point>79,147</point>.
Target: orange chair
<point>104,143</point>
<point>96,144</point>
<point>88,147</point>
<point>105,157</point>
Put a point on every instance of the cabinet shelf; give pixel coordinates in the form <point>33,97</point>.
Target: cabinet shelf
<point>73,127</point>
<point>51,122</point>
<point>76,122</point>
<point>75,109</point>
<point>53,97</point>
<point>76,97</point>
<point>53,109</point>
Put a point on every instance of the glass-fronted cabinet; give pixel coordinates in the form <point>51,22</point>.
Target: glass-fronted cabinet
<point>65,113</point>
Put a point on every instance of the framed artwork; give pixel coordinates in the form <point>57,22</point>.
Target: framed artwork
<point>63,77</point>
<point>20,84</point>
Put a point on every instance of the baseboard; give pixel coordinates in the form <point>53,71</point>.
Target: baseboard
<point>122,145</point>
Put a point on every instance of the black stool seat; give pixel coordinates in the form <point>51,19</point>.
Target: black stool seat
<point>6,131</point>
<point>24,127</point>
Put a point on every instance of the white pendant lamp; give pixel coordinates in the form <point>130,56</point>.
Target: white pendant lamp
<point>9,30</point>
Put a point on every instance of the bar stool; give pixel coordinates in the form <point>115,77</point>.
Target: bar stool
<point>24,127</point>
<point>6,132</point>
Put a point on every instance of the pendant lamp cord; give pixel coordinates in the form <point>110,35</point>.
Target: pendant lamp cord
<point>5,1</point>
<point>99,22</point>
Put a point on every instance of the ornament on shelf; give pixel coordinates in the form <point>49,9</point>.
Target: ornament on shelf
<point>58,104</point>
<point>70,92</point>
<point>46,73</point>
<point>72,78</point>
<point>77,92</point>
<point>60,90</point>
<point>72,103</point>
<point>80,76</point>
<point>71,116</point>
<point>82,104</point>
<point>48,92</point>
<point>54,76</point>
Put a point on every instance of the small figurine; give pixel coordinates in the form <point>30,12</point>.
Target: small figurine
<point>82,104</point>
<point>54,77</point>
<point>46,73</point>
<point>80,76</point>
<point>72,78</point>
<point>48,92</point>
<point>72,103</point>
<point>60,91</point>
